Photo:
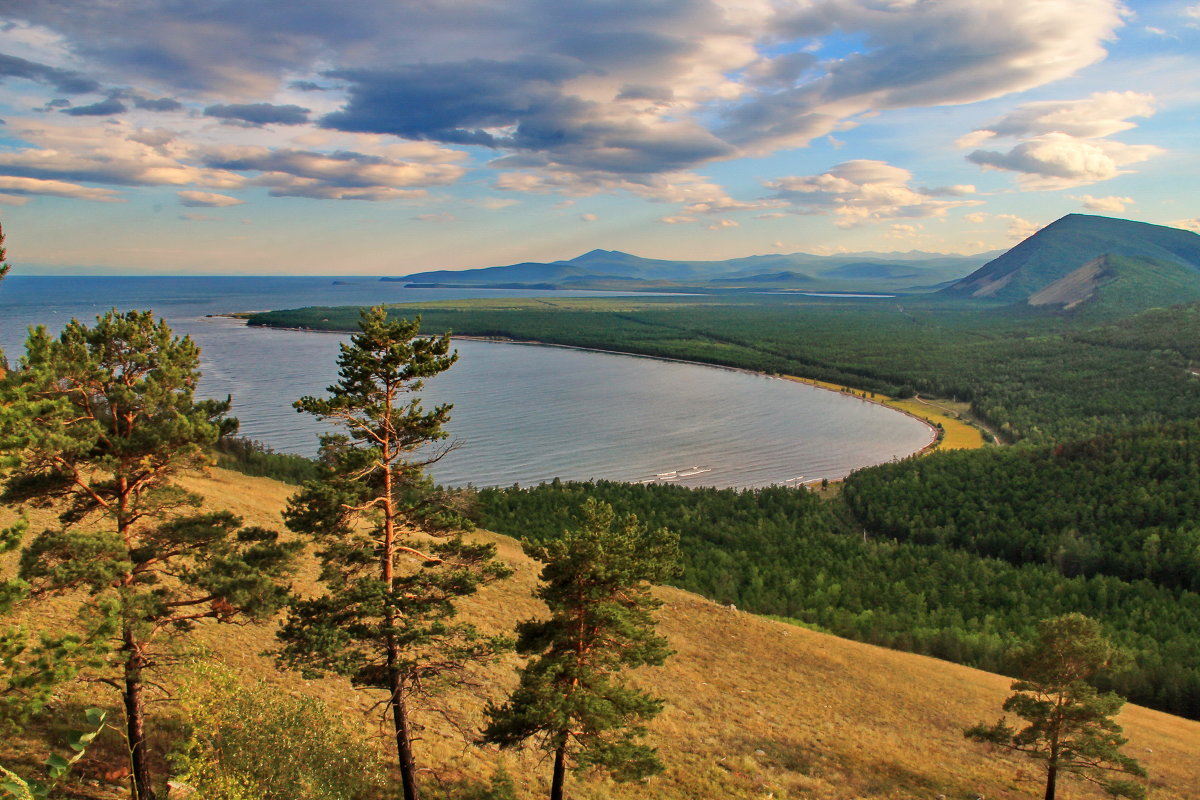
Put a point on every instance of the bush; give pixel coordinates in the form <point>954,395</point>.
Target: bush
<point>252,741</point>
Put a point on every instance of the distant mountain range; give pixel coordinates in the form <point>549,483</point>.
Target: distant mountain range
<point>1078,262</point>
<point>1082,260</point>
<point>608,269</point>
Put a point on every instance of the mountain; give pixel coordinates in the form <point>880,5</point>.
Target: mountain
<point>912,271</point>
<point>1082,258</point>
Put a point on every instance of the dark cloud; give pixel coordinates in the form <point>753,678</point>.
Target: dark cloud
<point>63,80</point>
<point>642,91</point>
<point>456,101</point>
<point>259,113</point>
<point>157,104</point>
<point>104,108</point>
<point>307,86</point>
<point>518,105</point>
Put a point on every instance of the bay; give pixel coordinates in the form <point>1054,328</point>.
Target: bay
<point>522,413</point>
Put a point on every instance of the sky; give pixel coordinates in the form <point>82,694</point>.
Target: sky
<point>393,136</point>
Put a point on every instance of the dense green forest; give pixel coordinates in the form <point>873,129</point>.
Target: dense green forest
<point>1123,504</point>
<point>788,553</point>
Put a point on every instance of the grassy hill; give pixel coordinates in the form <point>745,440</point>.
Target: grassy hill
<point>1067,245</point>
<point>755,708</point>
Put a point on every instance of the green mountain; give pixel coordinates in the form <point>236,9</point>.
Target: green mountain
<point>1081,258</point>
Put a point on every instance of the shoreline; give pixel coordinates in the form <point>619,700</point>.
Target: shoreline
<point>930,419</point>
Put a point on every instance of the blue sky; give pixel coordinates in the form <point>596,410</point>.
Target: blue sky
<point>385,137</point>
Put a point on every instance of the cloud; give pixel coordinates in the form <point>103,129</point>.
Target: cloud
<point>207,200</point>
<point>12,185</point>
<point>1019,228</point>
<point>1101,114</point>
<point>63,80</point>
<point>191,217</point>
<point>157,104</point>
<point>1059,161</point>
<point>1192,224</point>
<point>444,216</point>
<point>258,114</point>
<point>588,217</point>
<point>332,176</point>
<point>921,54</point>
<point>103,108</point>
<point>1111,204</point>
<point>112,153</point>
<point>1063,144</point>
<point>585,97</point>
<point>721,224</point>
<point>863,191</point>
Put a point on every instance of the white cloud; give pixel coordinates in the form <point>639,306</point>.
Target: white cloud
<point>1018,227</point>
<point>207,199</point>
<point>1060,161</point>
<point>722,224</point>
<point>863,191</point>
<point>588,217</point>
<point>1192,224</point>
<point>1101,114</point>
<point>18,189</point>
<point>1063,142</point>
<point>1110,204</point>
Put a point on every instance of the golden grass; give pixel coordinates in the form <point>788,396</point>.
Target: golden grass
<point>755,708</point>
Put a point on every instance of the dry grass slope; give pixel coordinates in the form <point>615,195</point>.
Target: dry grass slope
<point>755,708</point>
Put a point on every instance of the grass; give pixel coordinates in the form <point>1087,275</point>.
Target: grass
<point>755,707</point>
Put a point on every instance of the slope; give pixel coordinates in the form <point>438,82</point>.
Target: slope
<point>755,708</point>
<point>1068,244</point>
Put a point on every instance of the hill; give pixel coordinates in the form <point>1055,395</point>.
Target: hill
<point>1058,265</point>
<point>612,268</point>
<point>755,708</point>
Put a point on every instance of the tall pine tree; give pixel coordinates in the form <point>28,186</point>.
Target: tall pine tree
<point>392,559</point>
<point>1070,724</point>
<point>573,698</point>
<point>97,425</point>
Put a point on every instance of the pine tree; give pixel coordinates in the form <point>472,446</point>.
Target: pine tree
<point>572,696</point>
<point>1071,725</point>
<point>97,425</point>
<point>392,559</point>
<point>4,265</point>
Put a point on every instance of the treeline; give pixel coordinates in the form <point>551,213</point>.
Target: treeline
<point>786,553</point>
<point>1125,504</point>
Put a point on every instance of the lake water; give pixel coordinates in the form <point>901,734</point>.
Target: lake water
<point>522,413</point>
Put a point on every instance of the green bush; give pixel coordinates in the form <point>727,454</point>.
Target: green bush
<point>253,741</point>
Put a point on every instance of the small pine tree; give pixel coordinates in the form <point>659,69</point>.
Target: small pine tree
<point>572,696</point>
<point>97,424</point>
<point>1071,725</point>
<point>392,557</point>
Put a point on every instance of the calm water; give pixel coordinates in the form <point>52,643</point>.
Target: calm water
<point>522,414</point>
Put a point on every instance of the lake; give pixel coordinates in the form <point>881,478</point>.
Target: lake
<point>522,413</point>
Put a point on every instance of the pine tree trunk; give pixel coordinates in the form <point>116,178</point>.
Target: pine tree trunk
<point>1051,780</point>
<point>135,722</point>
<point>408,768</point>
<point>560,771</point>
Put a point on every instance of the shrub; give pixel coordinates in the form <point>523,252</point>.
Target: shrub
<point>253,741</point>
